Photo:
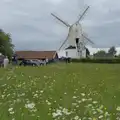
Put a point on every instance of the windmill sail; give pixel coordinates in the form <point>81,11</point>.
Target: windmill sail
<point>87,38</point>
<point>63,43</point>
<point>60,20</point>
<point>83,13</point>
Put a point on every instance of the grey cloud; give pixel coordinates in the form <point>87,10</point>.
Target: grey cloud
<point>32,26</point>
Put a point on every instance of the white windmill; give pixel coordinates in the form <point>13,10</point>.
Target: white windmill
<point>76,38</point>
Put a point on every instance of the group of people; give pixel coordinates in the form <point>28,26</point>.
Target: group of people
<point>4,61</point>
<point>68,60</point>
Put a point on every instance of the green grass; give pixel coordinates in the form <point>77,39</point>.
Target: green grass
<point>61,92</point>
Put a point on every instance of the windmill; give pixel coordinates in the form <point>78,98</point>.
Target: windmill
<point>76,38</point>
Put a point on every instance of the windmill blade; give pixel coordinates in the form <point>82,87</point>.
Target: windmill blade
<point>83,13</point>
<point>60,20</point>
<point>63,43</point>
<point>87,39</point>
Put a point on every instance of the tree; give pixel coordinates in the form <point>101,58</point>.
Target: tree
<point>100,54</point>
<point>6,46</point>
<point>118,56</point>
<point>112,51</point>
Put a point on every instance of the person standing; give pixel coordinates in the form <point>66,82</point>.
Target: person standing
<point>14,60</point>
<point>46,61</point>
<point>6,62</point>
<point>1,59</point>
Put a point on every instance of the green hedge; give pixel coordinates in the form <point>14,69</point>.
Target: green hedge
<point>110,61</point>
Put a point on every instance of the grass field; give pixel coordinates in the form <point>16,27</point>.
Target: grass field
<point>61,92</point>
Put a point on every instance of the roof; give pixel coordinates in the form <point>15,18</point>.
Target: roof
<point>71,47</point>
<point>36,54</point>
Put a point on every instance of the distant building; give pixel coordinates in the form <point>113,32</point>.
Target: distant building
<point>50,55</point>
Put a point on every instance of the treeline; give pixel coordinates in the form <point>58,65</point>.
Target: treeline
<point>97,60</point>
<point>6,46</point>
<point>103,54</point>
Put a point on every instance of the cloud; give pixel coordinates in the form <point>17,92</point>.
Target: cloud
<point>32,26</point>
<point>55,2</point>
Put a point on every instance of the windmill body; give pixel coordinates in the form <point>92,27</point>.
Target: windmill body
<point>76,40</point>
<point>75,31</point>
<point>76,46</point>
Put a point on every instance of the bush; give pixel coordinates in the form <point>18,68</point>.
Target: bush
<point>105,60</point>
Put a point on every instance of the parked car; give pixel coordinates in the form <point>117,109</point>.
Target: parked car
<point>35,62</point>
<point>28,63</point>
<point>42,62</point>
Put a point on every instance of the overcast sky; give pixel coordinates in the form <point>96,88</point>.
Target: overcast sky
<point>33,28</point>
